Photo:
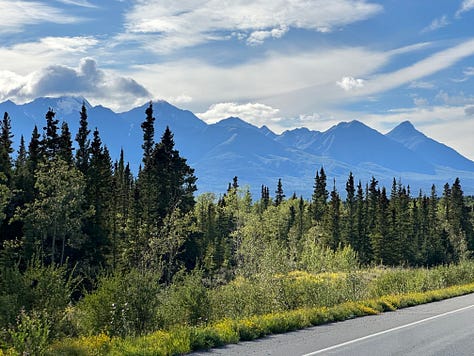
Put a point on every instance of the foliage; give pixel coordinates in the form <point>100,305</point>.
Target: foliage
<point>122,304</point>
<point>316,258</point>
<point>31,336</point>
<point>185,339</point>
<point>185,302</point>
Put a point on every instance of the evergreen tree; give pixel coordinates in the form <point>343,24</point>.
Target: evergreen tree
<point>65,144</point>
<point>434,249</point>
<point>401,225</point>
<point>265,198</point>
<point>320,195</point>
<point>350,217</point>
<point>34,152</point>
<point>460,227</point>
<point>148,134</point>
<point>362,242</point>
<point>21,182</point>
<point>173,181</point>
<point>51,143</point>
<point>373,193</point>
<point>99,195</point>
<point>332,221</point>
<point>83,142</point>
<point>381,242</point>
<point>6,147</point>
<point>22,192</point>
<point>279,195</point>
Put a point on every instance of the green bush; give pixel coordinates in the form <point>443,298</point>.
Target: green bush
<point>41,294</point>
<point>31,335</point>
<point>122,305</point>
<point>185,301</point>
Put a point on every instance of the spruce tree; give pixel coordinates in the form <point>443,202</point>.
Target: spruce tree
<point>148,134</point>
<point>320,195</point>
<point>99,196</point>
<point>172,179</point>
<point>279,195</point>
<point>6,147</point>
<point>83,142</point>
<point>362,241</point>
<point>65,144</point>
<point>50,143</point>
<point>350,217</point>
<point>332,221</point>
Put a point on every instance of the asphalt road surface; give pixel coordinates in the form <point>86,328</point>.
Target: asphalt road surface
<point>439,328</point>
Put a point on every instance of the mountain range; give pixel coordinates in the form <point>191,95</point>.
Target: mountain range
<point>256,155</point>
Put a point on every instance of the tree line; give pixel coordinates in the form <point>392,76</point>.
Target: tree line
<point>73,205</point>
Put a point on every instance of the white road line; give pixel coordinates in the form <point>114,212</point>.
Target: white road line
<point>385,332</point>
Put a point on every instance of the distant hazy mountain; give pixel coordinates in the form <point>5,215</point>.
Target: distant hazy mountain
<point>429,149</point>
<point>233,147</point>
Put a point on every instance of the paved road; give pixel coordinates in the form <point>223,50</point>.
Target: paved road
<point>440,328</point>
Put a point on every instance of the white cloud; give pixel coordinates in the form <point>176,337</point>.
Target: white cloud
<point>82,3</point>
<point>350,83</point>
<point>420,101</point>
<point>436,24</point>
<point>467,5</point>
<point>469,71</point>
<point>258,37</point>
<point>23,58</point>
<point>294,81</point>
<point>459,99</point>
<point>15,15</point>
<point>87,80</point>
<point>421,85</point>
<point>179,100</point>
<point>255,113</point>
<point>418,70</point>
<point>178,24</point>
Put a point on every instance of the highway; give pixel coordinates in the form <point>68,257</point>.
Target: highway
<point>439,328</point>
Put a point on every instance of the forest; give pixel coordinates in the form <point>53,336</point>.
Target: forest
<point>88,248</point>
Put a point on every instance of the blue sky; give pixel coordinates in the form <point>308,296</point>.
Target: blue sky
<point>283,64</point>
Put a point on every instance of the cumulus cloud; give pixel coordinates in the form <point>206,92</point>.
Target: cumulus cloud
<point>467,5</point>
<point>15,15</point>
<point>254,113</point>
<point>178,24</point>
<point>350,83</point>
<point>87,80</point>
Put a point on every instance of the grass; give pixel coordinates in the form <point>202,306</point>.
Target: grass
<point>185,339</point>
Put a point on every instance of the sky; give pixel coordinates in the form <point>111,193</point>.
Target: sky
<point>279,63</point>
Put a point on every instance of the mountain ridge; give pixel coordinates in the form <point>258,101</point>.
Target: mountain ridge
<point>234,147</point>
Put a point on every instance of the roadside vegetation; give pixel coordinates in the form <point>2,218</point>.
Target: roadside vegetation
<point>95,261</point>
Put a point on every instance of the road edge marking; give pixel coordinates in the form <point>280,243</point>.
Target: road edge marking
<point>386,331</point>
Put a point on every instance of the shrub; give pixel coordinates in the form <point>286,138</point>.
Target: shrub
<point>38,296</point>
<point>122,305</point>
<point>31,336</point>
<point>185,302</point>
